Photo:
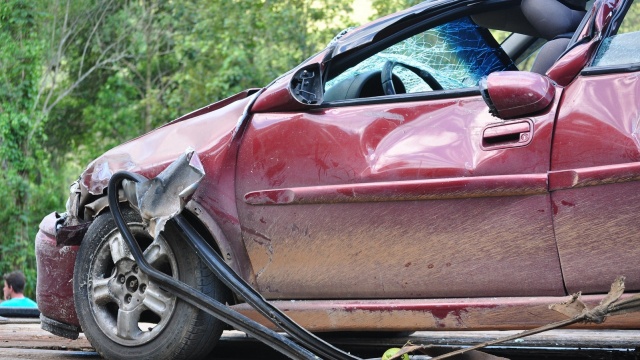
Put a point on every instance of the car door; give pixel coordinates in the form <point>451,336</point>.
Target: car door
<point>415,195</point>
<point>596,160</point>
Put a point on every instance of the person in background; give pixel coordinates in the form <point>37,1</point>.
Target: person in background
<point>13,288</point>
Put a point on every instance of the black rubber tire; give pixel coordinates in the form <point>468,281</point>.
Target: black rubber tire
<point>186,332</point>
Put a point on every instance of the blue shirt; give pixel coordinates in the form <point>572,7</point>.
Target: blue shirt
<point>24,302</point>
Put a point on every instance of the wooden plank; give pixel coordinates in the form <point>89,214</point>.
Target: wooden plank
<point>28,335</point>
<point>24,339</point>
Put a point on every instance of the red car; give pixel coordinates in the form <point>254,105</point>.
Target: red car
<point>414,175</point>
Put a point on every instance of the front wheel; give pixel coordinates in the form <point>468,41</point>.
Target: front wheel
<point>123,313</point>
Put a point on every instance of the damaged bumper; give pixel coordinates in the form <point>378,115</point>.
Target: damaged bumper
<point>54,289</point>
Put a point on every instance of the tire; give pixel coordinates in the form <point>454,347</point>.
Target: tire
<point>126,316</point>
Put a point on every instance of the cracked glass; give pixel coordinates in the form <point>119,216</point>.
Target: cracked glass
<point>624,47</point>
<point>457,54</point>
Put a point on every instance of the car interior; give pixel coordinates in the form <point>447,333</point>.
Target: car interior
<point>537,33</point>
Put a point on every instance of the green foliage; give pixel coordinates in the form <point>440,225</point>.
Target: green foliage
<point>631,22</point>
<point>176,57</point>
<point>386,7</point>
<point>23,183</point>
<point>228,46</point>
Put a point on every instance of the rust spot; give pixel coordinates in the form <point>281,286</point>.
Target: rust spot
<point>448,264</point>
<point>262,220</point>
<point>555,208</point>
<point>407,264</point>
<point>430,266</point>
<point>442,312</point>
<point>567,203</point>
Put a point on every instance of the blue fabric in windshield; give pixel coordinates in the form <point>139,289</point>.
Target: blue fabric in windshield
<point>473,47</point>
<point>457,54</point>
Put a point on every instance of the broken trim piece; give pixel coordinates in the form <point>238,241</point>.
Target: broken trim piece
<point>594,176</point>
<point>431,189</point>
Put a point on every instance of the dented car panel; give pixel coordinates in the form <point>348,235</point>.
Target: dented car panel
<point>402,211</point>
<point>362,204</point>
<point>163,145</point>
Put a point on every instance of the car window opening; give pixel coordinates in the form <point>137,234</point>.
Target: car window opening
<point>459,53</point>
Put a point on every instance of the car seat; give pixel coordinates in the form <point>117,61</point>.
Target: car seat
<point>555,21</point>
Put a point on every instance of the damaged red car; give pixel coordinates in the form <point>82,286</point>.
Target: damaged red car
<point>416,174</point>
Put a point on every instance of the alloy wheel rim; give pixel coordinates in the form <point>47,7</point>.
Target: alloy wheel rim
<point>127,306</point>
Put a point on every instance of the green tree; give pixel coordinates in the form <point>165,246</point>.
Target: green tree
<point>385,7</point>
<point>235,45</point>
<point>24,180</point>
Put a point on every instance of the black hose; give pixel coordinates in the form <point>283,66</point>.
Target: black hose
<point>192,296</point>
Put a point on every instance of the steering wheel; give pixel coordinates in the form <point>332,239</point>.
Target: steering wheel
<point>387,76</point>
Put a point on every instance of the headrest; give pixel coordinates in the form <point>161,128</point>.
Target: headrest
<point>540,18</point>
<point>552,17</point>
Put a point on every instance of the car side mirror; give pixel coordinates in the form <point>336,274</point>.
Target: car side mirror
<point>513,94</point>
<point>306,85</point>
<point>300,90</point>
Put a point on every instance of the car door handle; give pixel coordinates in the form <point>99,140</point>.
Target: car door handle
<point>513,134</point>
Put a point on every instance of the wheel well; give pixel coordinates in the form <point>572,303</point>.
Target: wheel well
<point>197,224</point>
<point>206,235</point>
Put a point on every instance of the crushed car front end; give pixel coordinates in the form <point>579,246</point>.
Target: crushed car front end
<point>209,130</point>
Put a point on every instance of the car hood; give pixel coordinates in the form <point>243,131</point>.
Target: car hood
<point>207,130</point>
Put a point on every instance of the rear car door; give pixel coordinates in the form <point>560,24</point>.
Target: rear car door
<point>596,160</point>
<point>417,194</point>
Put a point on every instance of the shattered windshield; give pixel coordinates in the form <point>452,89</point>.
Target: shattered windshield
<point>624,47</point>
<point>457,54</point>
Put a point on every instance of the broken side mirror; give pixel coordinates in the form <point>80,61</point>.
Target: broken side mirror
<point>514,94</point>
<point>306,85</point>
<point>294,91</point>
